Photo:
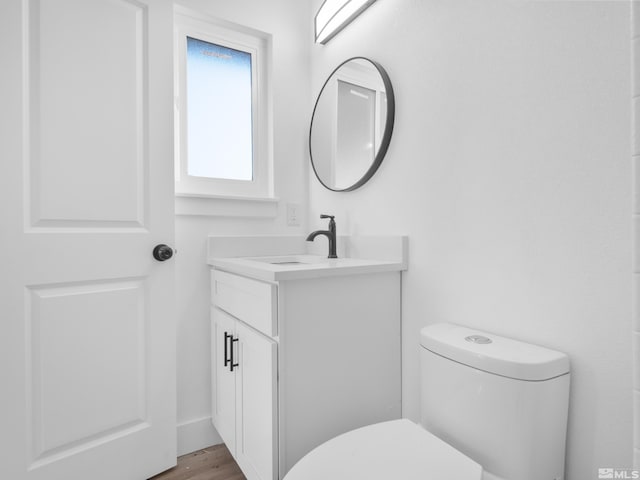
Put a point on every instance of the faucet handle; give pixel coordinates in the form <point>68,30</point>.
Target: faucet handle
<point>322,215</point>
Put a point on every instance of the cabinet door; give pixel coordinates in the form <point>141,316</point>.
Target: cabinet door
<point>256,399</point>
<point>223,384</point>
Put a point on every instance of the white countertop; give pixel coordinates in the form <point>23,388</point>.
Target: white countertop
<point>276,268</point>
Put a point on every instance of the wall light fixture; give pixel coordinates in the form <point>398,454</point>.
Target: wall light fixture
<point>334,15</point>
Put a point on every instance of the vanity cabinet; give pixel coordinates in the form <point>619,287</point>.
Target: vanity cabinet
<point>244,374</point>
<point>296,362</point>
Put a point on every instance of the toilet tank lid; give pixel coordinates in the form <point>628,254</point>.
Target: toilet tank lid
<point>494,354</point>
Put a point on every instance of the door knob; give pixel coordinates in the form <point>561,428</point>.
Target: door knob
<point>162,252</point>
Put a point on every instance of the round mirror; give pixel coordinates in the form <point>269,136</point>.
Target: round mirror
<point>351,124</point>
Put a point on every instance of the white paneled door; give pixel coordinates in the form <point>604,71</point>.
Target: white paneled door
<point>87,335</point>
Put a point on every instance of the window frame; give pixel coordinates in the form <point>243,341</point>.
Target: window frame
<point>258,45</point>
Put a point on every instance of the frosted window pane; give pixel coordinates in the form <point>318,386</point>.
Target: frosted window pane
<point>219,126</point>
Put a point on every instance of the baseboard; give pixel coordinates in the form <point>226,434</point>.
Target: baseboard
<point>196,435</point>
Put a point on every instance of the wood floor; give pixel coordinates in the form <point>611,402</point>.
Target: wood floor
<point>212,463</point>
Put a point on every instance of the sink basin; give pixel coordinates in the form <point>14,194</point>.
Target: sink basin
<point>289,260</point>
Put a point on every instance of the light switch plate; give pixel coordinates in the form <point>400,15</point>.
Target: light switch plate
<point>293,214</point>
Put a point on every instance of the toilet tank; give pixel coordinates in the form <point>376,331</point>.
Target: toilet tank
<point>501,402</point>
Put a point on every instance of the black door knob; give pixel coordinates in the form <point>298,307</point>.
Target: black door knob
<point>162,252</point>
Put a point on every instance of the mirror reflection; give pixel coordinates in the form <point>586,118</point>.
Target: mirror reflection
<point>351,124</point>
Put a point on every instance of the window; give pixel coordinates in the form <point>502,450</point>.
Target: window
<point>223,147</point>
<point>219,129</point>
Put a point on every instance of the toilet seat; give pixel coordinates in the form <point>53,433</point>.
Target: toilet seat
<point>398,449</point>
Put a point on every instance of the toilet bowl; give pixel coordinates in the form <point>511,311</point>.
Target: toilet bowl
<point>492,408</point>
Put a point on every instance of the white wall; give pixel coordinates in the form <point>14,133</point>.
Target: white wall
<point>289,24</point>
<point>509,170</point>
<point>635,105</point>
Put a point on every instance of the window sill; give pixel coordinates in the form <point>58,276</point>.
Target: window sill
<point>225,206</point>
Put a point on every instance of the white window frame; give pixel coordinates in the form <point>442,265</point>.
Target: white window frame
<point>258,44</point>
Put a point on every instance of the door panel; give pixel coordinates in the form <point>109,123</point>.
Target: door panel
<point>256,414</point>
<point>87,338</point>
<point>87,83</point>
<point>71,402</point>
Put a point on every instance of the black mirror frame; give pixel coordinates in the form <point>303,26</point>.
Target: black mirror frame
<point>388,129</point>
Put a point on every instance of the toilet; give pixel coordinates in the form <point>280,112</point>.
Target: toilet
<point>492,408</point>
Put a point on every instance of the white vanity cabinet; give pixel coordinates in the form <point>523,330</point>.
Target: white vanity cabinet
<point>309,358</point>
<point>244,363</point>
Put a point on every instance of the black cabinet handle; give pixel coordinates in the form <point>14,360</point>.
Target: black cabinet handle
<point>226,348</point>
<point>231,359</point>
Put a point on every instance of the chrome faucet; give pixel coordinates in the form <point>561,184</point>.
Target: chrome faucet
<point>330,234</point>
